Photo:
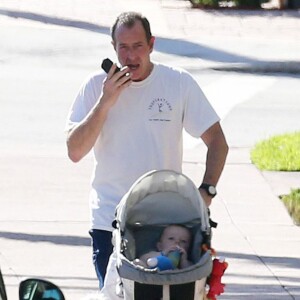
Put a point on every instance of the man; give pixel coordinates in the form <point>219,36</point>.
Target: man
<point>133,120</point>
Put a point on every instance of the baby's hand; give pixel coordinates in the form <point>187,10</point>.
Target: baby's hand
<point>184,262</point>
<point>182,252</point>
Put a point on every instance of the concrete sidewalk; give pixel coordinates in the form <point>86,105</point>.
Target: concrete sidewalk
<point>255,233</point>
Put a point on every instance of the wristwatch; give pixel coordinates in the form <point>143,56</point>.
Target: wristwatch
<point>210,189</point>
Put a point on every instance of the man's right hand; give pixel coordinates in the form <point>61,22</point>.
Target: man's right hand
<point>114,84</point>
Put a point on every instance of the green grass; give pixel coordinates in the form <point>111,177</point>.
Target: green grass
<point>279,153</point>
<point>292,203</point>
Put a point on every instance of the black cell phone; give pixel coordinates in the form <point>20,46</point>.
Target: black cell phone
<point>106,65</point>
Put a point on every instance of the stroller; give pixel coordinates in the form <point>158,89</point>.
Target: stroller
<point>158,199</point>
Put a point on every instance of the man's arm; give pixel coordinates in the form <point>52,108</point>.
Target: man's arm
<point>217,150</point>
<point>82,137</point>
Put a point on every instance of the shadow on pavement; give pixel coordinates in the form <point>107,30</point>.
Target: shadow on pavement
<point>54,239</point>
<point>51,278</point>
<point>287,262</point>
<point>171,46</point>
<point>244,13</point>
<point>255,292</point>
<point>180,47</point>
<point>281,290</point>
<point>54,20</point>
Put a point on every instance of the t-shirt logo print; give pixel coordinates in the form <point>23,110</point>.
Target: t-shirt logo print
<point>159,110</point>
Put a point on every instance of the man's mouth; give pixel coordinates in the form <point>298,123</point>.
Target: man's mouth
<point>133,67</point>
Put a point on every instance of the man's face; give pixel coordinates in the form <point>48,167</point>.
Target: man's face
<point>133,50</point>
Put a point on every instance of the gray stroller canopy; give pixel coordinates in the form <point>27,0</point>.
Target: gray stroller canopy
<point>157,197</point>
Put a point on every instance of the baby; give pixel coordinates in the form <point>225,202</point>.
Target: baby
<point>174,238</point>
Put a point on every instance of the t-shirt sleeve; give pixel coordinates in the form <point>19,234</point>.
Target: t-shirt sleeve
<point>199,115</point>
<point>85,100</point>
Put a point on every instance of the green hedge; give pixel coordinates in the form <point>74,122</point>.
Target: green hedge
<point>248,3</point>
<point>238,3</point>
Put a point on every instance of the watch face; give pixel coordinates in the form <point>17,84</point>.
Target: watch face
<point>212,190</point>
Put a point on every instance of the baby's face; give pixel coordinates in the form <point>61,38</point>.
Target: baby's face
<point>174,236</point>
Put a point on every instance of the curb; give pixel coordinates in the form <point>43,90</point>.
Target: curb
<point>284,67</point>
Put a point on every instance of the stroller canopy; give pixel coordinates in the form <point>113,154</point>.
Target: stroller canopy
<point>158,196</point>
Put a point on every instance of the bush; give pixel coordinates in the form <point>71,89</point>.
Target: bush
<point>292,203</point>
<point>205,3</point>
<point>216,3</point>
<point>248,3</point>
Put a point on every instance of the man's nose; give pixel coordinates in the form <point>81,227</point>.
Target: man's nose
<point>131,53</point>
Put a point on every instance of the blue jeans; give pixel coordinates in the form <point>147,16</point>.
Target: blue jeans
<point>102,249</point>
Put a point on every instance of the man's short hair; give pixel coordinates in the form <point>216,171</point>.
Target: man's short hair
<point>128,19</point>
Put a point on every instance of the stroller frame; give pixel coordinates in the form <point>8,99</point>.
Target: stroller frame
<point>155,200</point>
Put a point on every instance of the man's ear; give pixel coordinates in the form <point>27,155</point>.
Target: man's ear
<point>113,44</point>
<point>151,43</point>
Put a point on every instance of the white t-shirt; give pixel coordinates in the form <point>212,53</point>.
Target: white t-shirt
<point>142,132</point>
